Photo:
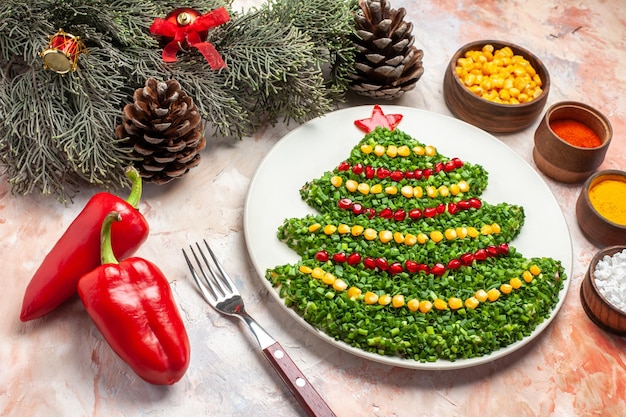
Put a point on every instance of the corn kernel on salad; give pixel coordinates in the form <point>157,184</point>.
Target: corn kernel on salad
<point>405,259</point>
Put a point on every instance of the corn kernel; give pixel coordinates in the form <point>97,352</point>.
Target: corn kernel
<point>430,150</point>
<point>314,227</point>
<point>471,303</point>
<point>364,188</point>
<point>339,285</point>
<point>329,229</point>
<point>419,150</point>
<point>431,191</point>
<point>425,306</point>
<point>351,185</point>
<point>376,189</point>
<point>366,148</point>
<point>534,269</point>
<point>392,151</point>
<point>493,294</point>
<point>528,277</point>
<point>398,237</point>
<point>357,230</point>
<point>305,269</point>
<point>472,232</point>
<point>354,292</point>
<point>385,236</point>
<point>455,303</point>
<point>410,239</point>
<point>495,228</point>
<point>422,238</point>
<point>318,273</point>
<point>370,234</point>
<point>486,229</point>
<point>463,186</point>
<point>384,300</point>
<point>336,181</point>
<point>450,234</point>
<point>391,190</point>
<point>413,304</point>
<point>418,192</point>
<point>461,232</point>
<point>443,191</point>
<point>440,304</point>
<point>481,295</point>
<point>328,279</point>
<point>407,191</point>
<point>370,298</point>
<point>455,189</point>
<point>343,229</point>
<point>404,150</point>
<point>506,288</point>
<point>436,236</point>
<point>397,301</point>
<point>379,150</point>
<point>516,283</point>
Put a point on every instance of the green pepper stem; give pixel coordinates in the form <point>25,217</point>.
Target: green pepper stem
<point>137,184</point>
<point>106,247</point>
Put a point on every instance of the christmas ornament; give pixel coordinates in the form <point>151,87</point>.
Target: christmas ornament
<point>164,129</point>
<point>61,55</point>
<point>379,118</point>
<point>184,28</point>
<point>387,62</point>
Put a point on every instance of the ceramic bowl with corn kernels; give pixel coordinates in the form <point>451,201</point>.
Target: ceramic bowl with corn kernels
<point>496,85</point>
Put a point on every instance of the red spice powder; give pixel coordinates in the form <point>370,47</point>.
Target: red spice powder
<point>575,133</point>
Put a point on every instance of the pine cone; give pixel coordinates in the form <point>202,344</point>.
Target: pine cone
<point>387,63</point>
<point>165,130</point>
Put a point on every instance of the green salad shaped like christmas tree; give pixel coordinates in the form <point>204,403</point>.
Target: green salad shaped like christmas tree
<point>405,259</point>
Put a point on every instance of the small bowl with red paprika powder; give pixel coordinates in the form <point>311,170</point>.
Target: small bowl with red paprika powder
<point>571,141</point>
<point>601,208</point>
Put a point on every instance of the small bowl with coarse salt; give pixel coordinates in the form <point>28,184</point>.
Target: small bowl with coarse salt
<point>603,291</point>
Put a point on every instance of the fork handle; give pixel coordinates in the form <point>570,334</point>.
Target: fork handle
<point>307,396</point>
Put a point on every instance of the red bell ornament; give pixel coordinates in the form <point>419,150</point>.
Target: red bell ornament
<point>61,55</point>
<point>185,28</point>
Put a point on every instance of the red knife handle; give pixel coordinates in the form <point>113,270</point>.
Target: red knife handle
<point>307,396</point>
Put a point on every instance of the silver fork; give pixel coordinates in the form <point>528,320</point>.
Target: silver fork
<point>220,292</point>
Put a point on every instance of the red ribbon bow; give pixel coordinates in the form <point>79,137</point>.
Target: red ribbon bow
<point>185,28</point>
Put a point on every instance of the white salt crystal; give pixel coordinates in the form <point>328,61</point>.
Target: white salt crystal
<point>610,278</point>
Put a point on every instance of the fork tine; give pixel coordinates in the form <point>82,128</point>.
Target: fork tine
<point>225,280</point>
<point>210,297</point>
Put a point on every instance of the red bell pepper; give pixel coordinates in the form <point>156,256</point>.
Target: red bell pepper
<point>132,305</point>
<point>78,250</point>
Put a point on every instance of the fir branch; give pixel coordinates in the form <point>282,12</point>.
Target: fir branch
<point>90,144</point>
<point>330,25</point>
<point>265,60</point>
<point>30,156</point>
<point>57,132</point>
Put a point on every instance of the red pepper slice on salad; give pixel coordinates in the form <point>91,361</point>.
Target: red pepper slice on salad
<point>78,250</point>
<point>132,305</point>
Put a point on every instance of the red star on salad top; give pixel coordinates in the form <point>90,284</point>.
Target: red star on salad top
<point>378,118</point>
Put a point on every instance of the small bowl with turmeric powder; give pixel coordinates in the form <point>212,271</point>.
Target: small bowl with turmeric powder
<point>601,208</point>
<point>496,85</point>
<point>571,141</point>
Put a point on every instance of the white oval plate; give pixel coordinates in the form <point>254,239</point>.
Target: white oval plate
<point>321,144</point>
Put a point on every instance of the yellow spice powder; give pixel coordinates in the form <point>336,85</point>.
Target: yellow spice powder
<point>608,197</point>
